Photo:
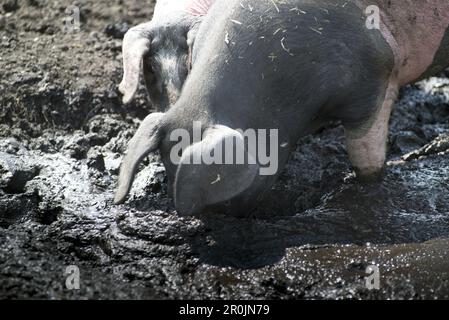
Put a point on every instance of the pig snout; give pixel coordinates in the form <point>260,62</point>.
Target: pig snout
<point>165,75</point>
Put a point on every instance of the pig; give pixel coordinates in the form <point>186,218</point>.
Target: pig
<point>287,66</point>
<point>162,48</point>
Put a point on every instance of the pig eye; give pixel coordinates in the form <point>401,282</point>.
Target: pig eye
<point>154,65</point>
<point>149,63</point>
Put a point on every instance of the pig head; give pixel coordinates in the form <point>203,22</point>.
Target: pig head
<point>162,49</point>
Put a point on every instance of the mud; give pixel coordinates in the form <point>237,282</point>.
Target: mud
<point>62,134</point>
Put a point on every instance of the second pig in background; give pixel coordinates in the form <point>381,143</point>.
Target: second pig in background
<point>162,49</point>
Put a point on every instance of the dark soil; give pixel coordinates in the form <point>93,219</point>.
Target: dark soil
<point>63,131</point>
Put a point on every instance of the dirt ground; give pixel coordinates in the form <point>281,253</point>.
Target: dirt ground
<point>63,131</point>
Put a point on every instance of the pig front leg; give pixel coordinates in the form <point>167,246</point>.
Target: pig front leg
<point>367,148</point>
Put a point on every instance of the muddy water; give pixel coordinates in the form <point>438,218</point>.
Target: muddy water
<point>62,135</point>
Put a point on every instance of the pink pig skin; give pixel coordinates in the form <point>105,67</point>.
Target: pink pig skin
<point>198,7</point>
<point>414,31</point>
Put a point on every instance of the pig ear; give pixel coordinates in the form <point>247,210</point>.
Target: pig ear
<point>145,141</point>
<point>200,185</point>
<point>136,44</point>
